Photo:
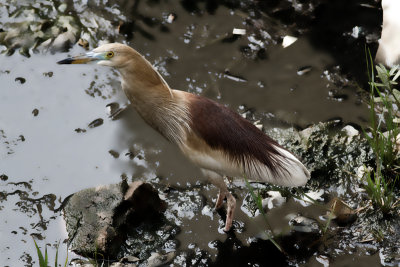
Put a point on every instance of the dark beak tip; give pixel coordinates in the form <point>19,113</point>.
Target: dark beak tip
<point>65,61</point>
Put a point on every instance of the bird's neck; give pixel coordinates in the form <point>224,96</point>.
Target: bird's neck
<point>152,98</point>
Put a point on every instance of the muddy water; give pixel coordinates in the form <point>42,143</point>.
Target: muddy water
<point>55,153</point>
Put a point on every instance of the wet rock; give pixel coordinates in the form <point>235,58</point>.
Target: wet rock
<point>20,80</point>
<point>48,74</point>
<point>157,259</point>
<point>114,153</point>
<point>80,130</point>
<point>3,177</point>
<point>328,152</point>
<point>97,219</point>
<point>96,123</point>
<point>341,212</point>
<point>114,110</point>
<point>35,112</point>
<point>274,200</point>
<point>350,131</point>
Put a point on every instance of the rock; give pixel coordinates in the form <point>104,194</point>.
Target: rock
<point>157,259</point>
<point>327,151</point>
<point>96,123</point>
<point>20,80</point>
<point>350,131</point>
<point>274,200</point>
<point>341,212</point>
<point>97,218</point>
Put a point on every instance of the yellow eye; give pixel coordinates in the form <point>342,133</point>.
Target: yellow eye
<point>109,54</point>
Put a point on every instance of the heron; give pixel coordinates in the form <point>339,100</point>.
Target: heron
<point>215,138</point>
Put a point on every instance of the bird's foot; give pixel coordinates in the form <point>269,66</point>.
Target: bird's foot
<point>231,201</point>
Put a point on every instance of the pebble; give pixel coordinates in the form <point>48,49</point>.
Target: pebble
<point>96,123</point>
<point>20,80</point>
<point>350,131</point>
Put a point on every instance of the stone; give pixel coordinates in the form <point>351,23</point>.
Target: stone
<point>341,212</point>
<point>157,259</point>
<point>97,218</point>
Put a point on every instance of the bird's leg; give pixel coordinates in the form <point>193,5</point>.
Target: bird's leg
<point>220,199</point>
<point>219,182</point>
<point>231,210</point>
<point>222,195</point>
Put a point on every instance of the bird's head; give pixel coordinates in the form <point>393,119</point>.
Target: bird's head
<point>113,55</point>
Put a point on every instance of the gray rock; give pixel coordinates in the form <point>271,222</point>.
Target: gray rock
<point>97,218</point>
<point>329,152</point>
<point>157,259</point>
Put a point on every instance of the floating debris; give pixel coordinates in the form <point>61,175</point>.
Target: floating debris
<point>20,80</point>
<point>235,78</point>
<point>48,74</point>
<point>171,17</point>
<point>96,123</point>
<point>237,31</point>
<point>114,153</point>
<point>288,41</point>
<point>304,70</point>
<point>80,130</point>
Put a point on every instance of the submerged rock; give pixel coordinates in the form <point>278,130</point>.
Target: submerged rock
<point>303,238</point>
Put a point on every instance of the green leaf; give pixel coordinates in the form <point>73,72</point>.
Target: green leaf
<point>46,258</point>
<point>56,261</point>
<point>396,92</point>
<point>42,261</point>
<point>66,260</point>
<point>397,75</point>
<point>392,70</point>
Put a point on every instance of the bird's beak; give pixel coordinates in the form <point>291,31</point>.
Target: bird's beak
<point>83,59</point>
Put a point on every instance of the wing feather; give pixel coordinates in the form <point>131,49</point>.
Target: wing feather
<point>257,155</point>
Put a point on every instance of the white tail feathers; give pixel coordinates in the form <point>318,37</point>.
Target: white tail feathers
<point>289,171</point>
<point>296,173</point>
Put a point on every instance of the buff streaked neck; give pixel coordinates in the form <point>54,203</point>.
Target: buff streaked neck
<point>153,99</point>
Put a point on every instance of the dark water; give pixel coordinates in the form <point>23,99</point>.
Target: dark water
<point>52,160</point>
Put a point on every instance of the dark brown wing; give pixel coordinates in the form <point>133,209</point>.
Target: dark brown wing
<point>224,129</point>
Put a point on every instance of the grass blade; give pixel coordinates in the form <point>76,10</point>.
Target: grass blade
<point>258,201</point>
<point>42,261</point>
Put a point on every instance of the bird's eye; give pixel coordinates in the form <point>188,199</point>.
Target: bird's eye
<point>110,54</point>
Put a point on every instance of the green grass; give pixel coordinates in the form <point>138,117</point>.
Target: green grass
<point>44,260</point>
<point>382,134</point>
<point>258,200</point>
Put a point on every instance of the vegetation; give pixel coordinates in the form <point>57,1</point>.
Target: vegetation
<point>44,260</point>
<point>258,200</point>
<point>383,136</point>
